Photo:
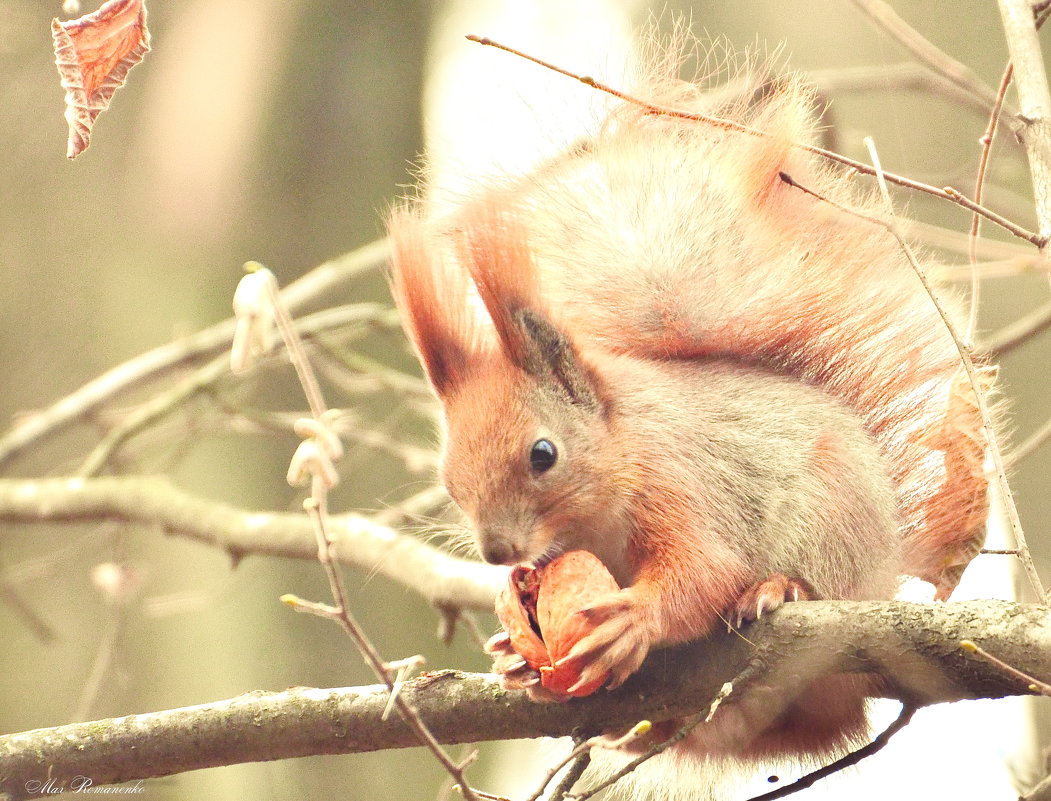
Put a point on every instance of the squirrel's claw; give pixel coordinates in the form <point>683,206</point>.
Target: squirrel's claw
<point>768,595</point>
<point>514,672</point>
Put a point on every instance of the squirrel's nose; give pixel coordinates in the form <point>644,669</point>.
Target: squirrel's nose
<point>497,550</point>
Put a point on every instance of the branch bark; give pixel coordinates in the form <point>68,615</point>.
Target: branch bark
<point>915,647</point>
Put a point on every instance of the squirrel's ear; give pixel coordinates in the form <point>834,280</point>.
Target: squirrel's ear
<point>433,303</point>
<point>551,355</point>
<point>494,247</point>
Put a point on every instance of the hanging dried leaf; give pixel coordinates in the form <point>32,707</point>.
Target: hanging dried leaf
<point>960,508</point>
<point>93,54</point>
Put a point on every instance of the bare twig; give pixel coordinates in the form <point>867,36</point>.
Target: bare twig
<point>1031,444</point>
<point>979,184</point>
<point>204,380</point>
<point>946,193</point>
<point>957,242</point>
<point>1019,332</point>
<point>853,758</point>
<point>688,725</point>
<point>1035,684</point>
<point>579,754</point>
<point>979,191</point>
<point>925,51</point>
<point>156,408</point>
<point>976,387</point>
<point>324,448</point>
<point>11,598</point>
<point>160,361</point>
<point>104,653</point>
<point>895,77</point>
<point>575,771</point>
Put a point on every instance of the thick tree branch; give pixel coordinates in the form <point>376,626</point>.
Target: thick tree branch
<point>1034,101</point>
<point>440,578</point>
<point>915,647</point>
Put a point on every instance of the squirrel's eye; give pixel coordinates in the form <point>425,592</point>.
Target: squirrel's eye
<point>543,455</point>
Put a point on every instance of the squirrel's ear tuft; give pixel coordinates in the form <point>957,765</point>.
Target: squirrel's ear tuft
<point>782,111</point>
<point>493,246</point>
<point>496,250</point>
<point>433,301</point>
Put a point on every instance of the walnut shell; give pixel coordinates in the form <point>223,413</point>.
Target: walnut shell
<point>540,610</point>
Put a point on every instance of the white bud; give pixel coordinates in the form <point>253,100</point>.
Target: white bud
<point>319,430</point>
<point>254,312</point>
<point>311,461</point>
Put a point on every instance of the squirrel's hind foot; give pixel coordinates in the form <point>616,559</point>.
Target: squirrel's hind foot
<point>766,596</point>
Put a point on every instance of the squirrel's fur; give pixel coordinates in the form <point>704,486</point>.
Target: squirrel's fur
<point>750,394</point>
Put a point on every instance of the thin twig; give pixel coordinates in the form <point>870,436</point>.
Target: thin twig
<point>576,770</point>
<point>925,51</point>
<point>976,387</point>
<point>957,242</point>
<point>690,723</point>
<point>104,654</point>
<point>1032,443</point>
<point>1019,332</point>
<point>1035,684</point>
<point>297,355</point>
<point>979,191</point>
<point>316,507</point>
<point>979,184</point>
<point>11,598</point>
<point>581,747</point>
<point>853,758</point>
<point>946,193</point>
<point>160,361</point>
<point>203,380</point>
<point>156,408</point>
<point>895,78</point>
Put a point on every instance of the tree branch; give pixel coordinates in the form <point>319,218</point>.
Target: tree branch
<point>1034,102</point>
<point>358,541</point>
<point>915,647</point>
<point>157,362</point>
<point>926,52</point>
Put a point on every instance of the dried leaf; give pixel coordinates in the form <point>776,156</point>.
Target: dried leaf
<point>540,610</point>
<point>960,508</point>
<point>93,54</point>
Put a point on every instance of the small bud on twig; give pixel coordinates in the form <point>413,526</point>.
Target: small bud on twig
<point>254,312</point>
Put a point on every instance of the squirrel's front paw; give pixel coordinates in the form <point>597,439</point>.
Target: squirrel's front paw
<point>621,638</point>
<point>767,595</point>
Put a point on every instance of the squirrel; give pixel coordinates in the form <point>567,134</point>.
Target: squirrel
<point>658,348</point>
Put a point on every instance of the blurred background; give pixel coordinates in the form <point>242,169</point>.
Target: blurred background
<point>282,130</point>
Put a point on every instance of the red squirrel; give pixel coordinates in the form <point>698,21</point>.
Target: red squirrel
<point>734,392</point>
